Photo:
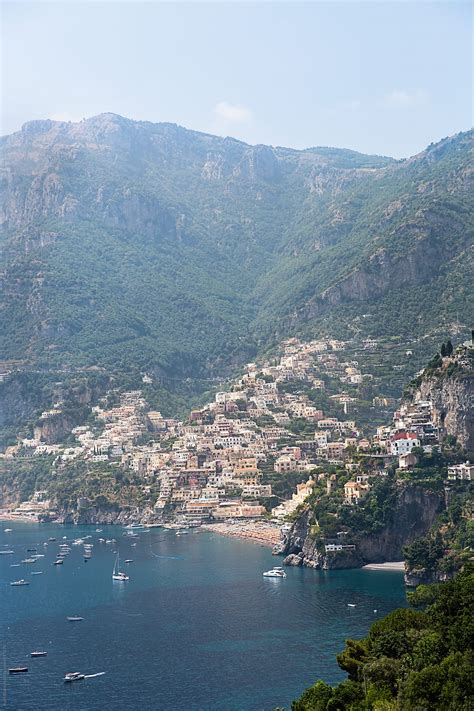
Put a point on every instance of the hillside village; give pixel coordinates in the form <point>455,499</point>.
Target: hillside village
<point>231,458</point>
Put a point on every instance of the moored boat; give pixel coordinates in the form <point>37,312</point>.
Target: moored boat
<point>38,654</point>
<point>19,583</point>
<point>18,670</point>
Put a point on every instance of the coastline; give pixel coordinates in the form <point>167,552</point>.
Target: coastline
<point>262,532</point>
<point>399,566</point>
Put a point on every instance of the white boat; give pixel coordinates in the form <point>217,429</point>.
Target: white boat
<point>74,618</point>
<point>275,573</point>
<point>350,604</point>
<point>19,583</point>
<point>8,530</point>
<point>6,552</point>
<point>134,526</point>
<point>99,530</point>
<point>37,572</point>
<point>74,676</point>
<point>29,560</point>
<point>117,574</point>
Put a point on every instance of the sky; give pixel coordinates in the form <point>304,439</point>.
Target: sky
<point>378,77</point>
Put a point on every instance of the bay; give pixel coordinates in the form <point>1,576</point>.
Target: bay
<point>195,628</point>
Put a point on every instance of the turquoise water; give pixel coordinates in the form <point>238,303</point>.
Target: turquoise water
<point>195,627</point>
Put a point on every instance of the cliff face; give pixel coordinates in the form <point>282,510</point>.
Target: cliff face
<point>414,512</point>
<point>453,401</point>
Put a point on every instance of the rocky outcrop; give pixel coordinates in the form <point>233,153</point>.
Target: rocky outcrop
<point>452,397</point>
<point>421,576</point>
<point>413,514</point>
<point>89,514</point>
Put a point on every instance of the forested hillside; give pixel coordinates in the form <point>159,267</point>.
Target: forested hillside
<point>133,246</point>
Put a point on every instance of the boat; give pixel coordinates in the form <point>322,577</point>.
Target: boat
<point>18,670</point>
<point>275,573</point>
<point>8,530</point>
<point>38,654</point>
<point>182,532</point>
<point>29,560</point>
<point>350,604</point>
<point>19,583</point>
<point>6,552</point>
<point>51,539</point>
<point>74,618</point>
<point>74,676</point>
<point>129,560</point>
<point>14,565</point>
<point>59,561</point>
<point>117,574</point>
<point>37,572</point>
<point>99,530</point>
<point>31,550</point>
<point>135,526</point>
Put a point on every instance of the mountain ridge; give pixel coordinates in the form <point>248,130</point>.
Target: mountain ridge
<point>133,245</point>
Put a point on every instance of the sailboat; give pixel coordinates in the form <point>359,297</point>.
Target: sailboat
<point>117,573</point>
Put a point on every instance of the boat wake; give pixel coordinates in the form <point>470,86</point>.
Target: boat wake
<point>167,557</point>
<point>91,676</point>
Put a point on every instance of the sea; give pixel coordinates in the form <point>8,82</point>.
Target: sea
<point>196,627</point>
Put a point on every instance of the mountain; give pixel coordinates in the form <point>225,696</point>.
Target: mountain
<point>132,246</point>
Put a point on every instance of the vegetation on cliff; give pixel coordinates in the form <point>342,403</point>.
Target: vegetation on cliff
<point>411,660</point>
<point>100,217</point>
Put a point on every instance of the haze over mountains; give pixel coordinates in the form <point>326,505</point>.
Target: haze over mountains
<point>133,244</point>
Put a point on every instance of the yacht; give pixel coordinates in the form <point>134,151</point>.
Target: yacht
<point>19,583</point>
<point>74,676</point>
<point>59,561</point>
<point>18,670</point>
<point>134,526</point>
<point>38,654</point>
<point>275,573</point>
<point>29,560</point>
<point>118,574</point>
<point>6,552</point>
<point>74,618</point>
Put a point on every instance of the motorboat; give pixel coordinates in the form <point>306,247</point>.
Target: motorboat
<point>99,530</point>
<point>37,572</point>
<point>19,583</point>
<point>6,552</point>
<point>8,530</point>
<point>18,670</point>
<point>29,560</point>
<point>129,560</point>
<point>117,574</point>
<point>51,539</point>
<point>74,676</point>
<point>275,573</point>
<point>134,526</point>
<point>74,618</point>
<point>59,561</point>
<point>38,654</point>
<point>31,550</point>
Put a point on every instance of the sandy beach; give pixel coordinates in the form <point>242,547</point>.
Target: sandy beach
<point>394,565</point>
<point>262,532</point>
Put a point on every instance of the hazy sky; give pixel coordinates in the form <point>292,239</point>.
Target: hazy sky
<point>379,77</point>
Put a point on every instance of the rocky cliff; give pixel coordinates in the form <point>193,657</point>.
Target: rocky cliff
<point>450,387</point>
<point>413,514</point>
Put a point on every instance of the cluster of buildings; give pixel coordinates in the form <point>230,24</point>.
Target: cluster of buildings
<point>220,463</point>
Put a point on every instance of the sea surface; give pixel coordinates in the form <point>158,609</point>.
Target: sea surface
<point>196,627</point>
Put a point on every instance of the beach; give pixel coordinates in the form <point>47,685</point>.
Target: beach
<point>262,532</point>
<point>393,565</point>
